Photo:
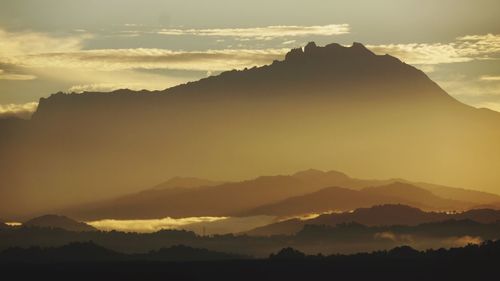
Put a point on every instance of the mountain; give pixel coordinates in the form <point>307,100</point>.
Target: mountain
<point>185,182</point>
<point>336,178</point>
<point>55,221</point>
<point>416,196</point>
<point>324,200</point>
<point>341,199</point>
<point>304,192</point>
<point>220,200</point>
<point>459,194</point>
<point>383,215</point>
<point>333,106</point>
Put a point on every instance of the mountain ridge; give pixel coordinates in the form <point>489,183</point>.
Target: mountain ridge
<point>331,106</point>
<point>380,215</point>
<point>247,197</point>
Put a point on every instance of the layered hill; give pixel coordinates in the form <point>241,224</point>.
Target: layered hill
<point>62,222</point>
<point>382,215</point>
<point>324,107</point>
<point>305,192</point>
<point>341,199</point>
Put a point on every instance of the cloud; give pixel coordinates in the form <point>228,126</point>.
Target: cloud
<point>400,238</point>
<point>422,53</point>
<point>489,104</point>
<point>289,42</point>
<point>462,86</point>
<point>15,76</point>
<point>142,58</point>
<point>25,43</point>
<point>264,33</point>
<point>212,225</point>
<point>475,91</point>
<point>18,110</point>
<point>150,225</point>
<point>489,78</point>
<point>463,49</point>
<point>462,241</point>
<point>98,87</point>
<point>108,87</point>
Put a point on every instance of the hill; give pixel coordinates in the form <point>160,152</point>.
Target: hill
<point>62,222</point>
<point>397,263</point>
<point>341,199</point>
<point>384,215</point>
<point>91,252</point>
<point>185,182</point>
<point>304,192</point>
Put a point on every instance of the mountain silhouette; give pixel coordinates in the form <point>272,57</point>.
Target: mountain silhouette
<point>341,199</point>
<point>76,251</point>
<point>185,182</point>
<point>396,263</point>
<point>62,222</point>
<point>185,253</point>
<point>89,251</point>
<point>332,106</point>
<point>220,200</point>
<point>309,191</point>
<point>378,216</point>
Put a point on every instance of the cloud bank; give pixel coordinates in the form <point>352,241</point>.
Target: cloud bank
<point>142,58</point>
<point>463,49</point>
<point>264,33</point>
<point>18,110</point>
<point>15,76</point>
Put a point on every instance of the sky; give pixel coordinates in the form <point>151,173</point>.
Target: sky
<point>47,46</point>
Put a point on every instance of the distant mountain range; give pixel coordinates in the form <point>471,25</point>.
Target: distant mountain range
<point>384,215</point>
<point>332,106</point>
<point>305,192</point>
<point>342,199</point>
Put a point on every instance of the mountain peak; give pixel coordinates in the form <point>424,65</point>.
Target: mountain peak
<point>310,47</point>
<point>333,50</point>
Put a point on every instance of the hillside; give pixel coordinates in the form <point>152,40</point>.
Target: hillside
<point>304,192</point>
<point>384,215</point>
<point>55,221</point>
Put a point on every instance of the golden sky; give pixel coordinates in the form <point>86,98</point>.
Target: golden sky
<point>48,46</point>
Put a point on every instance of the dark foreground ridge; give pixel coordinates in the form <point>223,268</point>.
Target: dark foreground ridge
<point>345,238</point>
<point>473,262</point>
